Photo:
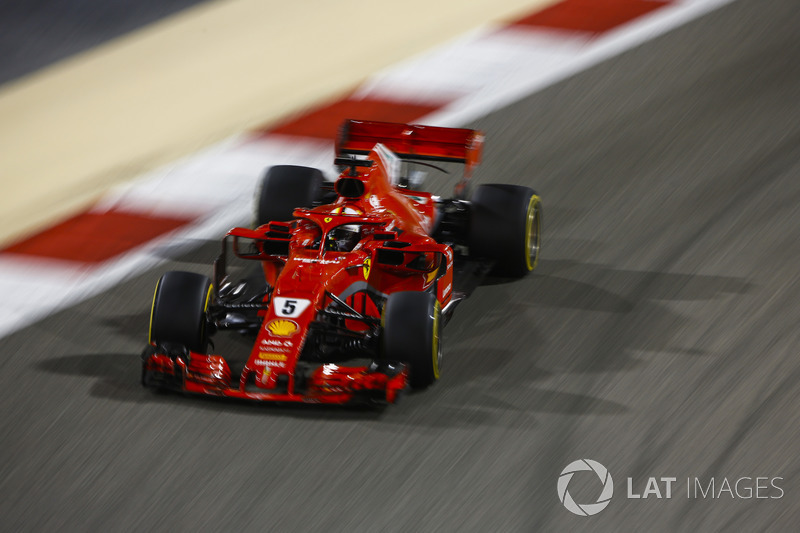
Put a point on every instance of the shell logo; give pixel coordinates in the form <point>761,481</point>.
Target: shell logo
<point>283,328</point>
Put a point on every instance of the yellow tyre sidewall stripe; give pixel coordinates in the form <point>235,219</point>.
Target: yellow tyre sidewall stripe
<point>152,312</point>
<point>533,217</point>
<point>436,340</point>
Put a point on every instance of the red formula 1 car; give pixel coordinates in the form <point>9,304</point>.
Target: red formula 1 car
<point>349,283</point>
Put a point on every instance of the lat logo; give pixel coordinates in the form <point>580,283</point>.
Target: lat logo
<point>652,488</point>
<point>585,509</point>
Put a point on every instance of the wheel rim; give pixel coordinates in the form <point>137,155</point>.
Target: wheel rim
<point>533,233</point>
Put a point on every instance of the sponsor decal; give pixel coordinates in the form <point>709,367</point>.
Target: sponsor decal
<point>272,364</point>
<point>447,289</point>
<point>367,265</point>
<point>282,327</point>
<point>265,372</point>
<point>272,356</point>
<point>275,344</point>
<point>319,261</point>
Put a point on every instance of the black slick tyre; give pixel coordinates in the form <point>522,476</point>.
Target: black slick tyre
<point>285,188</point>
<point>505,226</point>
<point>411,328</point>
<point>178,315</point>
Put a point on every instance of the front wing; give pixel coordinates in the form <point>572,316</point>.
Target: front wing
<point>378,382</point>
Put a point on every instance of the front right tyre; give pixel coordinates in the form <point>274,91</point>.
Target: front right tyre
<point>179,312</point>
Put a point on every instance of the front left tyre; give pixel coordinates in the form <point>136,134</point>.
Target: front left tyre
<point>506,227</point>
<point>411,334</point>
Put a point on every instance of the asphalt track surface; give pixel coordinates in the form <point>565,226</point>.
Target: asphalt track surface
<point>659,336</point>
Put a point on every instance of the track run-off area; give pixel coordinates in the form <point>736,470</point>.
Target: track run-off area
<point>658,336</point>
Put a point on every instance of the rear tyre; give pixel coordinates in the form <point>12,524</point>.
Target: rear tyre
<point>179,311</point>
<point>506,226</point>
<point>411,328</point>
<point>285,188</point>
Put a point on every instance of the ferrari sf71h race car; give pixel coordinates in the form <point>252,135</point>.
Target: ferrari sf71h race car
<point>351,282</point>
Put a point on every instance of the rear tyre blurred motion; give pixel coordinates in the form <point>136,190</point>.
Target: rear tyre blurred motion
<point>411,335</point>
<point>284,188</point>
<point>179,310</point>
<point>506,226</point>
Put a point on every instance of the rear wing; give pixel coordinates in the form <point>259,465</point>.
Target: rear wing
<point>412,141</point>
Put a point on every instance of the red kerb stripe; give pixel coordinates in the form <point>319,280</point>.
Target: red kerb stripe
<point>93,237</point>
<point>591,16</point>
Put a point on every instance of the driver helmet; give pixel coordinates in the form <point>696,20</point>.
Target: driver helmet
<point>343,238</point>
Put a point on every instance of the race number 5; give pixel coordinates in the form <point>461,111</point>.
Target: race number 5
<point>290,307</point>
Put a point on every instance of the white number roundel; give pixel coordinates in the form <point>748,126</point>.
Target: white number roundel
<point>289,307</point>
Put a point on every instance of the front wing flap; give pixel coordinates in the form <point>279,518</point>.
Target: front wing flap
<point>375,382</point>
